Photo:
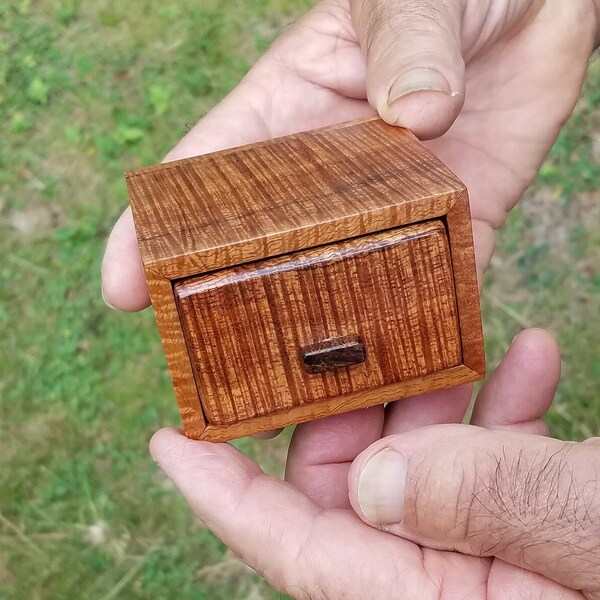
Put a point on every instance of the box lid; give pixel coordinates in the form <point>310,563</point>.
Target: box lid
<point>286,194</point>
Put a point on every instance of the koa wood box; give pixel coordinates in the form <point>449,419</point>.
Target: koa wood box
<point>307,276</point>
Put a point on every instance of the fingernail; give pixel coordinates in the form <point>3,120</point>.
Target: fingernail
<point>381,487</point>
<point>419,80</point>
<point>105,300</point>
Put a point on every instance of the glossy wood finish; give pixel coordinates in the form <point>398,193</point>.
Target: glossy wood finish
<point>300,414</point>
<point>236,210</point>
<point>275,197</point>
<point>246,326</point>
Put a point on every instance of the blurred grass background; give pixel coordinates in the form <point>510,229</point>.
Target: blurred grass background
<point>87,90</point>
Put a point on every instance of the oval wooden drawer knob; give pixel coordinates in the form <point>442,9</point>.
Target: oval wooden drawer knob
<point>333,353</point>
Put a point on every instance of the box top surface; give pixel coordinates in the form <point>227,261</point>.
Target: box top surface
<point>290,193</point>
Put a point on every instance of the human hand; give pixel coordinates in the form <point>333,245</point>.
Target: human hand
<point>525,500</point>
<point>309,547</point>
<point>525,63</point>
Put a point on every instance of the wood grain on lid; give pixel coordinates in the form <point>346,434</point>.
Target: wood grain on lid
<point>286,194</point>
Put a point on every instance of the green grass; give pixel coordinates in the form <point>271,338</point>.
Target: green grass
<point>546,272</point>
<point>87,90</point>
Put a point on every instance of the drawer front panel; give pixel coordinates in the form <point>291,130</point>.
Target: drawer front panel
<point>246,327</point>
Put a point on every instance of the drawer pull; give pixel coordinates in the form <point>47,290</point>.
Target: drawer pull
<point>333,353</point>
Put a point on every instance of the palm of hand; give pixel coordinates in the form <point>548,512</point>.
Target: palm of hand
<point>302,535</point>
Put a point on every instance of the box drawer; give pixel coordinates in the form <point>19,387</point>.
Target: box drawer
<point>321,323</point>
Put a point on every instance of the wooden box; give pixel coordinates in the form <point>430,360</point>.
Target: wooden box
<point>308,275</point>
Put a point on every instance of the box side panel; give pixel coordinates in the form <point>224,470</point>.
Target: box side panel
<point>178,360</point>
<point>460,234</point>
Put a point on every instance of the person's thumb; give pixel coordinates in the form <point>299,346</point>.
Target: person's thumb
<point>415,69</point>
<point>529,500</point>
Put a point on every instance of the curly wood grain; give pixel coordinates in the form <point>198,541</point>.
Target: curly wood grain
<point>213,217</point>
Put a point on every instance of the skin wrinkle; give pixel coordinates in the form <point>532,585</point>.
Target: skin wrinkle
<point>531,480</point>
<point>523,482</point>
<point>298,68</point>
<point>591,497</point>
<point>513,483</point>
<point>278,576</point>
<point>340,46</point>
<point>438,586</point>
<point>554,492</point>
<point>495,19</point>
<point>459,496</point>
<point>499,16</point>
<point>306,595</point>
<point>491,492</point>
<point>577,502</point>
<point>499,545</point>
<point>380,588</point>
<point>380,21</point>
<point>400,575</point>
<point>301,548</point>
<point>494,220</point>
<point>430,566</point>
<point>264,119</point>
<point>570,504</point>
<point>473,498</point>
<point>496,498</point>
<point>418,486</point>
<point>428,571</point>
<point>177,454</point>
<point>520,178</point>
<point>511,18</point>
<point>324,517</point>
<point>555,479</point>
<point>591,502</point>
<point>491,550</point>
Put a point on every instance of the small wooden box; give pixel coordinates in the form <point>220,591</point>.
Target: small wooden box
<point>308,275</point>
